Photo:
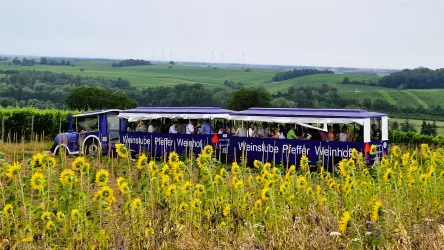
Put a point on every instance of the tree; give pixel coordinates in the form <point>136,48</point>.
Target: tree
<point>424,128</point>
<point>43,61</point>
<point>346,80</point>
<point>433,129</point>
<point>16,61</point>
<point>395,126</point>
<point>282,102</point>
<point>246,98</point>
<point>172,63</point>
<point>85,98</point>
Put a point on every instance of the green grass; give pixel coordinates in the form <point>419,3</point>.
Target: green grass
<point>417,124</point>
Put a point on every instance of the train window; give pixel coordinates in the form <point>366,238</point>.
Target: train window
<point>87,124</point>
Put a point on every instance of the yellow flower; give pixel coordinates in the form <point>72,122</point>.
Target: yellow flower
<point>60,216</point>
<point>170,190</point>
<point>8,209</point>
<point>373,149</point>
<point>141,162</point>
<point>308,190</point>
<point>78,163</point>
<point>121,150</point>
<point>376,211</point>
<point>207,151</point>
<point>173,158</point>
<point>256,163</point>
<point>266,210</point>
<point>423,178</point>
<point>13,170</point>
<point>37,181</point>
<point>49,224</point>
<point>304,162</point>
<point>396,151</point>
<point>257,205</point>
<point>186,187</point>
<point>388,174</point>
<point>405,159</point>
<point>218,179</point>
<point>354,153</point>
<point>344,222</point>
<point>441,174</point>
<point>46,216</point>
<point>152,166</point>
<point>343,167</point>
<point>183,207</point>
<point>68,177</point>
<point>200,162</point>
<point>119,181</point>
<point>135,204</point>
<point>51,162</point>
<point>350,164</point>
<point>235,169</point>
<point>123,187</point>
<point>384,162</point>
<point>301,182</point>
<point>199,189</point>
<point>238,185</point>
<point>102,177</point>
<point>28,239</point>
<point>265,194</point>
<point>284,187</point>
<point>74,214</point>
<point>223,224</point>
<point>196,203</point>
<point>37,161</point>
<point>222,172</point>
<point>227,210</point>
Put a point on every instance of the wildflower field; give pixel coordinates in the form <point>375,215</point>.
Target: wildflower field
<point>114,202</point>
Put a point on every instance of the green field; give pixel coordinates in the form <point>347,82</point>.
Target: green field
<point>417,124</point>
<point>161,75</point>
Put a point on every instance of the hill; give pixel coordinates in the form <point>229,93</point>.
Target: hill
<point>212,78</point>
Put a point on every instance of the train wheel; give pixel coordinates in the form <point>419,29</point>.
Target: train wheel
<point>92,147</point>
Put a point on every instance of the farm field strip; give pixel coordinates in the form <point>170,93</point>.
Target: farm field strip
<point>424,105</point>
<point>388,97</point>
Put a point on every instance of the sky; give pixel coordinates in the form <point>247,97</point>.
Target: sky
<point>339,33</point>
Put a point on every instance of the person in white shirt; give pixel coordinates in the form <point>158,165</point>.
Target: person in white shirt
<point>190,128</point>
<point>252,131</point>
<point>242,131</point>
<point>151,127</point>
<point>263,131</point>
<point>173,128</point>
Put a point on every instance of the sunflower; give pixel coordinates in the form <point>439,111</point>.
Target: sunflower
<point>8,210</point>
<point>46,216</point>
<point>304,162</point>
<point>37,161</point>
<point>344,222</point>
<point>28,239</point>
<point>351,164</point>
<point>136,204</point>
<point>121,150</point>
<point>388,174</point>
<point>265,193</point>
<point>173,158</point>
<point>235,169</point>
<point>226,210</point>
<point>60,216</point>
<point>266,167</point>
<point>222,172</point>
<point>376,210</point>
<point>199,189</point>
<point>284,187</point>
<point>441,174</point>
<point>257,205</point>
<point>423,178</point>
<point>68,177</point>
<point>78,163</point>
<point>170,190</point>
<point>256,163</point>
<point>354,153</point>
<point>51,163</point>
<point>238,185</point>
<point>74,214</point>
<point>107,193</point>
<point>196,203</point>
<point>308,190</point>
<point>218,179</point>
<point>396,151</point>
<point>37,181</point>
<point>343,167</point>
<point>141,162</point>
<point>207,151</point>
<point>183,207</point>
<point>49,225</point>
<point>200,162</point>
<point>373,149</point>
<point>301,182</point>
<point>267,208</point>
<point>384,162</point>
<point>152,166</point>
<point>102,177</point>
<point>13,170</point>
<point>186,187</point>
<point>123,187</point>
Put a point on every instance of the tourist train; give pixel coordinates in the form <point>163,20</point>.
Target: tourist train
<point>278,135</point>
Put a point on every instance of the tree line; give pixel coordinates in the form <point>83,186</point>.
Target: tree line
<point>282,76</point>
<point>419,78</point>
<point>132,62</point>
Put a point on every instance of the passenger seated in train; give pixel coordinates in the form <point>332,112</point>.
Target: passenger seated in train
<point>141,127</point>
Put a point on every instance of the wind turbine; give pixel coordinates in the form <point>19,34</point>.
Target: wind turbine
<point>222,57</point>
